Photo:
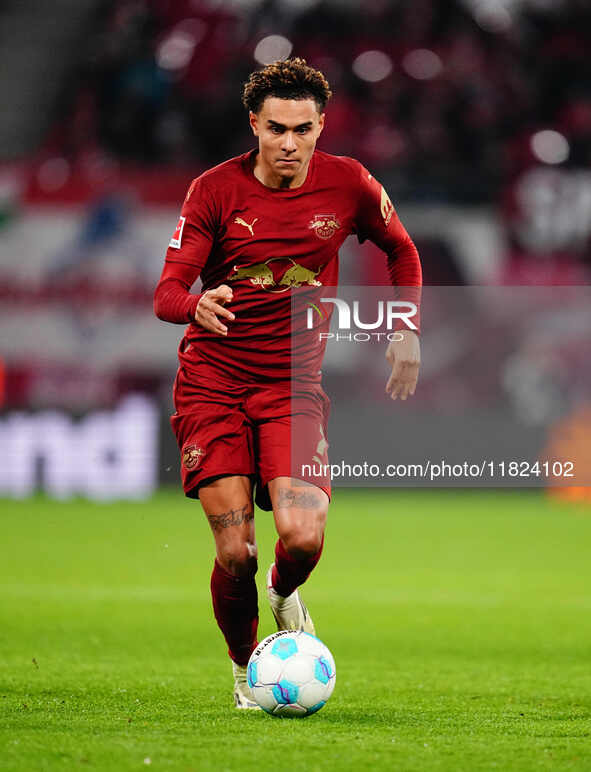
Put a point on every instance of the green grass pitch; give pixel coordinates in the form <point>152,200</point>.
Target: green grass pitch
<point>460,623</point>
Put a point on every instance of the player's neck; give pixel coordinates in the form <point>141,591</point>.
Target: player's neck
<point>270,180</point>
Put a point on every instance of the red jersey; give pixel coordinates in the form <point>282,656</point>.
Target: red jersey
<point>265,243</point>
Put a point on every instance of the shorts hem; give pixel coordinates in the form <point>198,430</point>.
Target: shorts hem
<point>192,488</point>
<point>326,487</point>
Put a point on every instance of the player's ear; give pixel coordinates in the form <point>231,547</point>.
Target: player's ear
<point>254,123</point>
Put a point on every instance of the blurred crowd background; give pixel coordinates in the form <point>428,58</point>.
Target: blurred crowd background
<point>449,100</point>
<point>475,114</point>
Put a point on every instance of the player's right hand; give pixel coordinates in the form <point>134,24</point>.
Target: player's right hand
<point>211,305</point>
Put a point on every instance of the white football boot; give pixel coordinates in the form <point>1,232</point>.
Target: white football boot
<point>290,613</point>
<point>243,698</point>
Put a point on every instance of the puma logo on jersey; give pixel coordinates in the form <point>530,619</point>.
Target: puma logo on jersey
<point>240,221</point>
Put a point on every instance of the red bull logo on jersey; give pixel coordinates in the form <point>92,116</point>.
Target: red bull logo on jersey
<point>259,274</point>
<point>277,274</point>
<point>324,225</point>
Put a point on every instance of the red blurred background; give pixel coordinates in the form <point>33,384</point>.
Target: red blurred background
<point>475,115</point>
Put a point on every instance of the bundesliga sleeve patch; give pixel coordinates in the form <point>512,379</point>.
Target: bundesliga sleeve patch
<point>178,234</point>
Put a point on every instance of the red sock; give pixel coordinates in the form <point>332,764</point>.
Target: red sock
<point>236,610</point>
<point>289,572</point>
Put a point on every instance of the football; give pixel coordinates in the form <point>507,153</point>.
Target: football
<point>291,673</point>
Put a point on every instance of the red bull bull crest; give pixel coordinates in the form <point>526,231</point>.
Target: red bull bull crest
<point>277,274</point>
<point>324,225</point>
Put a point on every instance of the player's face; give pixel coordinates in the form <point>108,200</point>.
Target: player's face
<point>287,130</point>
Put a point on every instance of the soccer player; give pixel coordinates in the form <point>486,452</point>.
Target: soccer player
<point>256,228</point>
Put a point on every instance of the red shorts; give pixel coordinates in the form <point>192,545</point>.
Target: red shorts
<point>260,430</point>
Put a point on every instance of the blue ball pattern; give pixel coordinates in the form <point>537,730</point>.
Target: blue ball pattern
<point>284,648</point>
<point>322,670</point>
<point>251,674</point>
<point>285,692</point>
<point>288,672</point>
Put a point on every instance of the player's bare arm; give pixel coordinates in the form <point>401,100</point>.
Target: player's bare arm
<point>404,354</point>
<point>211,306</point>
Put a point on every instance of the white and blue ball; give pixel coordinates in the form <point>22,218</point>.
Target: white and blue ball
<point>291,673</point>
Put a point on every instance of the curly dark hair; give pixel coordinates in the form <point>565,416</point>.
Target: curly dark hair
<point>289,79</point>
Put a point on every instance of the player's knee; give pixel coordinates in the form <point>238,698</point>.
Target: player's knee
<point>239,559</point>
<point>302,546</point>
<point>303,539</point>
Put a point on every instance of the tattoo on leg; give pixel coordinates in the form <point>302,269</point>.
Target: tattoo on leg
<point>232,517</point>
<point>287,497</point>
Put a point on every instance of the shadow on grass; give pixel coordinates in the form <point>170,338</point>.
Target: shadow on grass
<point>347,717</point>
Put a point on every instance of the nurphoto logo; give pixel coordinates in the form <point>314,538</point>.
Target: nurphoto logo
<point>390,315</point>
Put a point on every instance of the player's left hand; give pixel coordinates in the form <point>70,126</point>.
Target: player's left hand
<point>405,357</point>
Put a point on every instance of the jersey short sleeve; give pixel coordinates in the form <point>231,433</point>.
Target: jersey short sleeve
<point>195,231</point>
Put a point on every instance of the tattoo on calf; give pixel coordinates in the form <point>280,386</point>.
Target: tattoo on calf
<point>287,497</point>
<point>232,517</point>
